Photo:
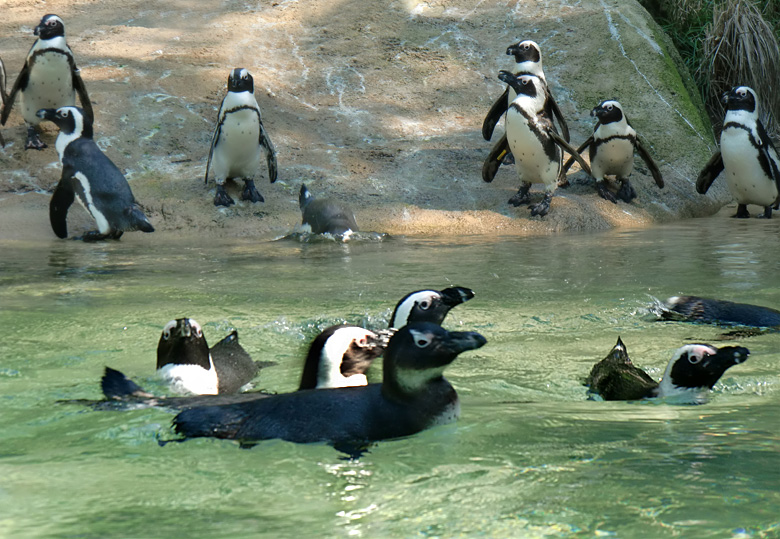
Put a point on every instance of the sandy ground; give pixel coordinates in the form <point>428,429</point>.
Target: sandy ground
<point>378,104</point>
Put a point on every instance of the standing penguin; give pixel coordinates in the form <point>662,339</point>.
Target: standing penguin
<point>534,141</point>
<point>528,56</point>
<point>611,151</point>
<point>49,79</point>
<point>87,173</point>
<point>239,141</point>
<point>324,215</point>
<point>746,154</point>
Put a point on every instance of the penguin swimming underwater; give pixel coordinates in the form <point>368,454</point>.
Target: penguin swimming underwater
<point>528,57</point>
<point>611,151</point>
<point>535,143</point>
<point>412,397</point>
<point>92,178</point>
<point>239,141</point>
<point>750,160</point>
<point>325,216</point>
<point>428,305</point>
<point>693,370</point>
<point>716,311</point>
<point>49,79</point>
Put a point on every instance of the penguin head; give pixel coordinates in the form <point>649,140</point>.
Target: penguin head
<point>341,355</point>
<point>527,85</point>
<point>49,27</point>
<point>698,367</point>
<point>741,98</point>
<point>525,51</point>
<point>240,81</point>
<point>182,343</point>
<point>69,120</point>
<point>608,111</point>
<point>305,196</point>
<point>428,305</point>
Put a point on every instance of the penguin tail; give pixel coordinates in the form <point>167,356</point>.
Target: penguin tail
<point>117,386</point>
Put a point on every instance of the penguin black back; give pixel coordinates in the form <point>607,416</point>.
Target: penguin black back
<point>325,215</point>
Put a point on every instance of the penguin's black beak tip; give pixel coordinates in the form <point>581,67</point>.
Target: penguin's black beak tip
<point>45,114</point>
<point>37,31</point>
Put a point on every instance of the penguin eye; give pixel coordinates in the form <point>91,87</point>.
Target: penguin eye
<point>198,332</point>
<point>362,342</point>
<point>421,340</point>
<point>167,334</point>
<point>609,108</point>
<point>424,304</point>
<point>64,114</point>
<point>693,359</point>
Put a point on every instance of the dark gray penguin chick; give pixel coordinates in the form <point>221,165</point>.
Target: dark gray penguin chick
<point>325,216</point>
<point>413,396</point>
<point>239,141</point>
<point>49,79</point>
<point>91,178</point>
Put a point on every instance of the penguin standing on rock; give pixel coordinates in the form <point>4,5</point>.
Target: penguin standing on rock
<point>90,176</point>
<point>747,155</point>
<point>326,216</point>
<point>239,141</point>
<point>534,141</point>
<point>49,79</point>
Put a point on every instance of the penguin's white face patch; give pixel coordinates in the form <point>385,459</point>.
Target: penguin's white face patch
<point>329,371</point>
<point>89,204</point>
<point>695,354</point>
<point>423,300</point>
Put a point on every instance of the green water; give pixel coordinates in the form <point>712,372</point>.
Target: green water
<point>530,456</point>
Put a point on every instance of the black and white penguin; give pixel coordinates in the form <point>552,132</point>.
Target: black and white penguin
<point>413,396</point>
<point>428,305</point>
<point>325,216</point>
<point>48,80</point>
<point>693,370</point>
<point>239,141</point>
<point>611,152</point>
<point>716,311</point>
<point>534,142</point>
<point>90,176</point>
<point>747,155</point>
<point>528,56</point>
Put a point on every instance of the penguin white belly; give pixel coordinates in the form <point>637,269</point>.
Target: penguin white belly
<point>615,157</point>
<point>238,151</point>
<point>50,86</point>
<point>531,161</point>
<point>746,179</point>
<point>190,378</point>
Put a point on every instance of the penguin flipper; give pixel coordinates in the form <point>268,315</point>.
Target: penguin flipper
<point>3,96</point>
<point>494,115</point>
<point>710,171</point>
<point>570,149</point>
<point>21,82</point>
<point>570,161</point>
<point>494,159</point>
<point>769,152</point>
<point>270,153</point>
<point>556,112</point>
<point>214,139</point>
<point>645,155</point>
<point>60,203</point>
<point>81,90</point>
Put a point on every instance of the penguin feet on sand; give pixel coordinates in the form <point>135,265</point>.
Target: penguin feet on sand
<point>543,207</point>
<point>742,212</point>
<point>626,193</point>
<point>521,197</point>
<point>251,193</point>
<point>34,141</point>
<point>222,198</point>
<point>601,187</point>
<point>767,213</point>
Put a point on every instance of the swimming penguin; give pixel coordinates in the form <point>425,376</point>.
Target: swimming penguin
<point>428,305</point>
<point>528,56</point>
<point>746,154</point>
<point>90,176</point>
<point>49,79</point>
<point>412,397</point>
<point>239,141</point>
<point>326,216</point>
<point>611,151</point>
<point>693,370</point>
<point>535,143</point>
<point>716,311</point>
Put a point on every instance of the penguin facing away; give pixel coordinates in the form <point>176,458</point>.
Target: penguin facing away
<point>325,216</point>
<point>91,178</point>
<point>611,151</point>
<point>535,143</point>
<point>412,397</point>
<point>239,141</point>
<point>528,57</point>
<point>49,79</point>
<point>747,155</point>
<point>693,370</point>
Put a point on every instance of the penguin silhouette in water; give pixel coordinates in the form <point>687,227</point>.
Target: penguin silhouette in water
<point>757,319</point>
<point>325,216</point>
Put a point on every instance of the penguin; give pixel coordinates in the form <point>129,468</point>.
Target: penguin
<point>716,311</point>
<point>528,57</point>
<point>693,370</point>
<point>611,151</point>
<point>428,305</point>
<point>49,79</point>
<point>326,216</point>
<point>413,396</point>
<point>747,155</point>
<point>239,140</point>
<point>92,178</point>
<point>535,143</point>
<point>3,96</point>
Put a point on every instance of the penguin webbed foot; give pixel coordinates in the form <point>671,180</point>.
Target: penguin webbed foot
<point>95,235</point>
<point>251,193</point>
<point>742,212</point>
<point>222,198</point>
<point>521,197</point>
<point>352,450</point>
<point>34,141</point>
<point>542,208</point>
<point>767,213</point>
<point>626,193</point>
<point>606,194</point>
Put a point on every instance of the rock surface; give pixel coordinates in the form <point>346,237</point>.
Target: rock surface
<point>377,103</point>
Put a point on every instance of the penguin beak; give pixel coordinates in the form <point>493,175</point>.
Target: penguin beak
<point>46,114</point>
<point>725,98</point>
<point>456,295</point>
<point>37,30</point>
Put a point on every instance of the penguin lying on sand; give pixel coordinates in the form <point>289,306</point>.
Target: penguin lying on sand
<point>693,370</point>
<point>528,56</point>
<point>535,143</point>
<point>412,397</point>
<point>611,151</point>
<point>90,176</point>
<point>747,155</point>
<point>48,80</point>
<point>325,216</point>
<point>716,311</point>
<point>239,141</point>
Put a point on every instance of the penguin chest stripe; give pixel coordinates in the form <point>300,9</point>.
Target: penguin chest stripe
<point>86,200</point>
